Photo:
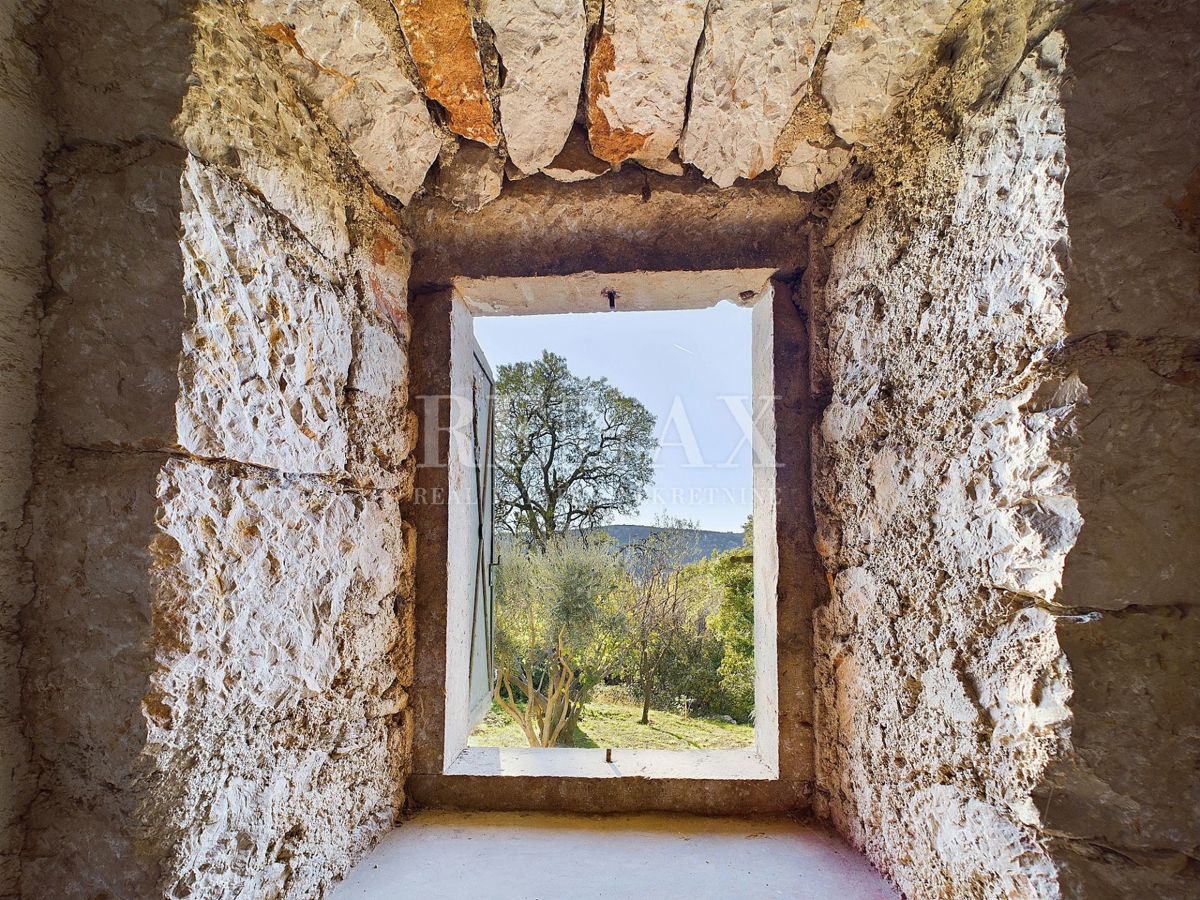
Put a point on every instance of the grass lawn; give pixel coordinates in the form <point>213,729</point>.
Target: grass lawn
<point>612,725</point>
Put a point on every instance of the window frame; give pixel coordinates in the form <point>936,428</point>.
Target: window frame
<point>776,773</point>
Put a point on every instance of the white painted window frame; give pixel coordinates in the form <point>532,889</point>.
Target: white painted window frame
<point>592,292</point>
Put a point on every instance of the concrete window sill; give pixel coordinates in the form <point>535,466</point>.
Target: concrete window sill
<point>722,765</point>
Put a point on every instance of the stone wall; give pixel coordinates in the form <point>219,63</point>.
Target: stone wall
<point>219,650</point>
<point>944,512</point>
<point>1004,473</point>
<point>1124,800</point>
<point>24,132</point>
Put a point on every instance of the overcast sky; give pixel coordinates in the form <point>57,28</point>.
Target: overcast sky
<point>679,364</point>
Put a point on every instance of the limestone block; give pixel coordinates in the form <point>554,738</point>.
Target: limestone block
<point>638,77</point>
<point>268,373</point>
<point>1023,682</point>
<point>244,113</point>
<point>24,133</point>
<point>118,68</point>
<point>87,662</point>
<point>1133,195</point>
<point>1009,503</point>
<point>115,313</point>
<point>382,432</point>
<point>1090,872</point>
<point>266,357</point>
<point>541,46</point>
<point>669,166</point>
<point>235,340</point>
<point>964,835</point>
<point>383,264</point>
<point>471,177</point>
<point>1139,439</point>
<point>810,167</point>
<point>345,62</point>
<point>1135,729</point>
<point>23,136</point>
<point>878,58</point>
<point>286,637</point>
<point>441,38</point>
<point>944,505</point>
<point>750,72</point>
<point>278,610</point>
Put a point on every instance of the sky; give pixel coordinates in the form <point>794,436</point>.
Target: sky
<point>679,364</point>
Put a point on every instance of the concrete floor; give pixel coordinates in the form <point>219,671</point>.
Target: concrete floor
<point>553,856</point>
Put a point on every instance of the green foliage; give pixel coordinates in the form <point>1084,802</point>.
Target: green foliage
<point>733,624</point>
<point>568,588</point>
<point>570,452</point>
<point>682,635</point>
<point>659,599</point>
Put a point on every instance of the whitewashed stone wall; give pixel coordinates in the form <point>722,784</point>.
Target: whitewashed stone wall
<point>218,650</point>
<point>24,132</point>
<point>1004,708</point>
<point>944,508</point>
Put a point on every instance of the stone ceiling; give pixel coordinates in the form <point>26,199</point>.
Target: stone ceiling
<point>497,90</point>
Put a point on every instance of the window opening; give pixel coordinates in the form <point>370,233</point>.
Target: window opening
<point>621,634</point>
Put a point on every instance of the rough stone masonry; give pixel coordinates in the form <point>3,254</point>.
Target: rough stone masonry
<point>212,211</point>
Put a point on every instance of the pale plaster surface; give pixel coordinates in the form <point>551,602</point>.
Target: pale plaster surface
<point>566,762</point>
<point>446,856</point>
<point>462,520</point>
<point>600,292</point>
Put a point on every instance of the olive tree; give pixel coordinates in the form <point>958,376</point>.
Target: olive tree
<point>558,631</point>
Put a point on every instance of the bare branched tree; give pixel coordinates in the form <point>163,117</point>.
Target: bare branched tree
<point>657,606</point>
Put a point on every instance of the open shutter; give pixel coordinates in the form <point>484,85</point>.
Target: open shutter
<point>483,667</point>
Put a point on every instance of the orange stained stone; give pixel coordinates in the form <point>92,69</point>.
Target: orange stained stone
<point>443,46</point>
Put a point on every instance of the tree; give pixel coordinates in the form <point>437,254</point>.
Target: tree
<point>570,452</point>
<point>657,601</point>
<point>549,699</point>
<point>733,623</point>
<point>558,630</point>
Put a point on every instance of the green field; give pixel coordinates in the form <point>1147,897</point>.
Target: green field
<point>612,725</point>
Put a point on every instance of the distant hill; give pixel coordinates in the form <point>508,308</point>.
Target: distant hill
<point>705,541</point>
